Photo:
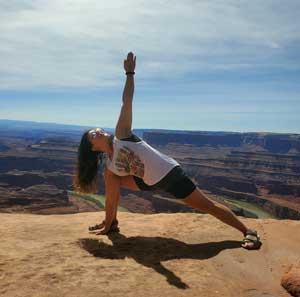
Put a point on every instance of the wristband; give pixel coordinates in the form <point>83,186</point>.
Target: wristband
<point>130,72</point>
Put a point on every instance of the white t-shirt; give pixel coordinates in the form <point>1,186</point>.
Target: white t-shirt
<point>139,159</point>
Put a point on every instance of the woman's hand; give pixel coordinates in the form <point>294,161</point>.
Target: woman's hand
<point>113,228</point>
<point>104,231</point>
<point>97,226</point>
<point>129,63</point>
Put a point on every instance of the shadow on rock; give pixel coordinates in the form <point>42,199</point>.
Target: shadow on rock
<point>151,251</point>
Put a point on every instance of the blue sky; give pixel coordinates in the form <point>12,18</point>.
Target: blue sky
<point>201,65</point>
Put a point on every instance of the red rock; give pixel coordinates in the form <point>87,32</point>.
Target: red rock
<point>291,280</point>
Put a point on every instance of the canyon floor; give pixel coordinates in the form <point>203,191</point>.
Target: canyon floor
<point>182,254</point>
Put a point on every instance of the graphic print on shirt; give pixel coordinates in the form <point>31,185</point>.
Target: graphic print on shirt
<point>129,162</point>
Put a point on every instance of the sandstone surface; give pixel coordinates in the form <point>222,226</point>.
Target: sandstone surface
<point>184,254</point>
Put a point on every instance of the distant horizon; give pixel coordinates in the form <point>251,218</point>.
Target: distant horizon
<point>137,128</point>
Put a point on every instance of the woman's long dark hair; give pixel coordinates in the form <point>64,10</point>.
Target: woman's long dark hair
<point>86,175</point>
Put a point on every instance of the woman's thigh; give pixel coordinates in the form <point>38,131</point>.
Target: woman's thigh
<point>128,182</point>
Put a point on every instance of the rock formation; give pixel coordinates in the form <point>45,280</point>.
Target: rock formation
<point>260,168</point>
<point>291,280</point>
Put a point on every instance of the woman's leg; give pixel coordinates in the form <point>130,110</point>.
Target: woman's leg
<point>198,200</point>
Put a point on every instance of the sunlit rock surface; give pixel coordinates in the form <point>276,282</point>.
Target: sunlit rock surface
<point>182,254</point>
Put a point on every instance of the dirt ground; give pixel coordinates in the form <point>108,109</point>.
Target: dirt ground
<point>182,254</point>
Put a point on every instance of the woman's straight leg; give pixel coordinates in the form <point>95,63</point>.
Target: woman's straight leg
<point>198,200</point>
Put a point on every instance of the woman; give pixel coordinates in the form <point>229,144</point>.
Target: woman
<point>133,164</point>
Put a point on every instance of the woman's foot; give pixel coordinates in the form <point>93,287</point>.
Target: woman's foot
<point>251,240</point>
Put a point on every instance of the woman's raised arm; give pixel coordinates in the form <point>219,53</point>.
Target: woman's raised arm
<point>123,128</point>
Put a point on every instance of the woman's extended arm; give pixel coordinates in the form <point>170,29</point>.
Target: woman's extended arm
<point>123,128</point>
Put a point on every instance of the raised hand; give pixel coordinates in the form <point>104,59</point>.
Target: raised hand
<point>127,161</point>
<point>129,63</point>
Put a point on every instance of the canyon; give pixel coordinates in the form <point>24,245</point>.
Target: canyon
<point>37,163</point>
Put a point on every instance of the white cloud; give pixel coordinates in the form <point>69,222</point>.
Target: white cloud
<point>82,43</point>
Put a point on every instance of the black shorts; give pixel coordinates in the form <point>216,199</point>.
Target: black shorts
<point>176,182</point>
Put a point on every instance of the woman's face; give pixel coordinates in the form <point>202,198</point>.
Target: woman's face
<point>97,137</point>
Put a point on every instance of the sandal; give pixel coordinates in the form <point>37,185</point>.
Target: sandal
<point>253,238</point>
<point>114,227</point>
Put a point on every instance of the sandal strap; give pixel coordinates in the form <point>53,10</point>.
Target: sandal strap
<point>252,232</point>
<point>252,238</point>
